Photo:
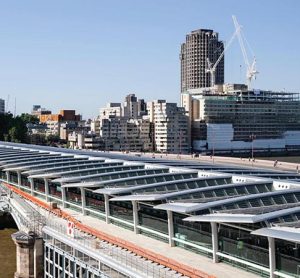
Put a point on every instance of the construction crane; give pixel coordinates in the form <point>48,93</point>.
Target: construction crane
<point>211,68</point>
<point>251,68</point>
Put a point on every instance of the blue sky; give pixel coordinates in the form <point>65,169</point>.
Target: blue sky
<point>81,54</point>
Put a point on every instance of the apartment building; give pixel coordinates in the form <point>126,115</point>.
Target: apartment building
<point>134,107</point>
<point>111,110</point>
<point>124,134</point>
<point>171,132</point>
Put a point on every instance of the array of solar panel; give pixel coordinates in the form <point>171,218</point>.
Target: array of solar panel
<point>151,179</point>
<point>78,168</point>
<point>259,210</point>
<point>212,193</point>
<point>35,162</point>
<point>181,185</point>
<point>286,220</point>
<point>262,200</point>
<point>45,167</point>
<point>99,170</point>
<point>126,173</point>
<point>21,157</point>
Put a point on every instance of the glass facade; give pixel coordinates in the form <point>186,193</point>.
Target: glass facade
<point>25,182</point>
<point>287,256</point>
<point>153,219</point>
<point>55,189</point>
<point>13,177</point>
<point>121,210</point>
<point>240,243</point>
<point>3,175</point>
<point>39,185</point>
<point>193,232</point>
<point>73,195</point>
<point>94,201</point>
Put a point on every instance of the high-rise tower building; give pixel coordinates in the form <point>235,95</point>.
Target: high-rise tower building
<point>200,45</point>
<point>2,106</point>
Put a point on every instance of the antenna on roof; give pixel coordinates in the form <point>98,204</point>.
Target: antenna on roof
<point>7,101</point>
<point>15,107</point>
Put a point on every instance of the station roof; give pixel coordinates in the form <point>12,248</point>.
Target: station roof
<point>204,192</point>
<point>285,233</point>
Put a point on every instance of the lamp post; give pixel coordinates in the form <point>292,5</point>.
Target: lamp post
<point>252,137</point>
<point>213,145</point>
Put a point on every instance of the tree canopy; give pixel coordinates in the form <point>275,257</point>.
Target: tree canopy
<point>14,128</point>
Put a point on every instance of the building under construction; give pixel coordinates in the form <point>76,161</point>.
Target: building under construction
<point>235,118</point>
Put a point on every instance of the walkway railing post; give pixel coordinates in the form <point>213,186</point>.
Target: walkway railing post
<point>215,245</point>
<point>107,212</point>
<point>63,196</point>
<point>31,186</point>
<point>8,176</point>
<point>272,258</point>
<point>19,178</point>
<point>170,228</point>
<point>135,217</point>
<point>46,189</point>
<point>83,200</point>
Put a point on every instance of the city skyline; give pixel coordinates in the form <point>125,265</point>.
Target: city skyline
<point>78,56</point>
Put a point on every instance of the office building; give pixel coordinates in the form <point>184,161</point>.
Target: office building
<point>37,110</point>
<point>200,45</point>
<point>240,119</point>
<point>2,106</point>
<point>134,108</point>
<point>62,116</point>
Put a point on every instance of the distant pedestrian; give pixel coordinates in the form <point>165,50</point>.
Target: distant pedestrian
<point>297,169</point>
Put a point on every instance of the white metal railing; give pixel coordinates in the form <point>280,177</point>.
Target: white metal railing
<point>121,255</point>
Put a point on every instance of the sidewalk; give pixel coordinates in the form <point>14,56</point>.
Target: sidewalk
<point>234,161</point>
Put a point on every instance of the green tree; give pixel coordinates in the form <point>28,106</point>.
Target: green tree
<point>13,134</point>
<point>28,118</point>
<point>13,128</point>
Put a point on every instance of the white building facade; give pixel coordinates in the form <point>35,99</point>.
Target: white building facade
<point>171,132</point>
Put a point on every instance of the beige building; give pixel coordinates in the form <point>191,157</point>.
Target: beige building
<point>111,110</point>
<point>171,128</point>
<point>124,134</point>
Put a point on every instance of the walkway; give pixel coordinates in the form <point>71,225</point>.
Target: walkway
<point>220,270</point>
<point>258,163</point>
